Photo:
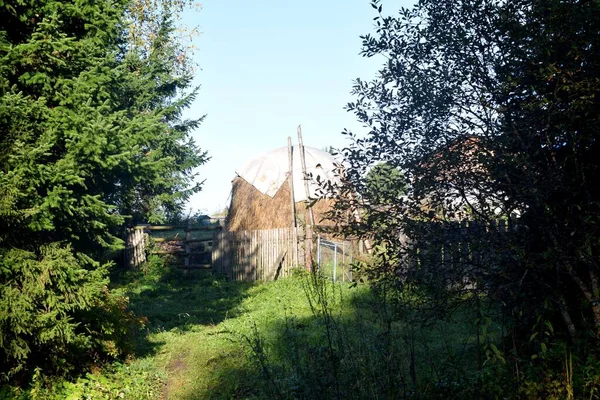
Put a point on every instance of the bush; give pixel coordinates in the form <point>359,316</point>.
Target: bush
<point>53,311</point>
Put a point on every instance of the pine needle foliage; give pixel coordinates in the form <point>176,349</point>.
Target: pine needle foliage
<point>91,137</point>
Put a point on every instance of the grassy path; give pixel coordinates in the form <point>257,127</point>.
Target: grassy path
<point>197,327</point>
<point>211,339</point>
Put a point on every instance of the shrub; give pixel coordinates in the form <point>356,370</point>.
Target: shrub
<point>53,310</point>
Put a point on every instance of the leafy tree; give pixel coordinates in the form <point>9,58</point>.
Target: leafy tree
<point>90,135</point>
<point>384,184</point>
<point>491,106</point>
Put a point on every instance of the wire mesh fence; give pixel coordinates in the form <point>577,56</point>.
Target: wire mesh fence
<point>334,259</point>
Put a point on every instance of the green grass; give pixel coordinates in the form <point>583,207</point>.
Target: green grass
<point>211,339</point>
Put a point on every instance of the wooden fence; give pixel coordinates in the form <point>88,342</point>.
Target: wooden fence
<point>194,252</point>
<point>460,253</point>
<point>260,255</point>
<point>465,248</point>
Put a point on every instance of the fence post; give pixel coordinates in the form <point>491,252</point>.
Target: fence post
<point>143,246</point>
<point>216,252</point>
<point>344,261</point>
<point>334,261</point>
<point>319,253</point>
<point>310,222</point>
<point>351,261</point>
<point>134,247</point>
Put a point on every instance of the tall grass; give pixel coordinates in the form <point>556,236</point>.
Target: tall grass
<point>357,343</point>
<point>304,337</point>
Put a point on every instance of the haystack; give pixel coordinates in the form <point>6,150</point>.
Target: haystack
<point>260,195</point>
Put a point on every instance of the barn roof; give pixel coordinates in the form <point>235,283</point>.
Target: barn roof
<point>268,172</point>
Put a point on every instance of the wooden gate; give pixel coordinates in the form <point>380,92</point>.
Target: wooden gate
<point>191,244</point>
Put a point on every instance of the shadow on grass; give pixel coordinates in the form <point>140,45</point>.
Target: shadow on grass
<point>174,301</point>
<point>349,348</point>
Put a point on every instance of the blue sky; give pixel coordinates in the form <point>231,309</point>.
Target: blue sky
<point>265,67</point>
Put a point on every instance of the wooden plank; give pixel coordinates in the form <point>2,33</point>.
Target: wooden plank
<point>228,255</point>
<point>133,249</point>
<point>276,250</point>
<point>205,228</point>
<point>264,249</point>
<point>249,257</point>
<point>272,244</point>
<point>235,260</point>
<point>239,250</point>
<point>228,258</point>
<point>264,255</point>
<point>271,247</point>
<point>258,256</point>
<point>246,256</point>
<point>214,254</point>
<point>279,263</point>
<point>162,227</point>
<point>262,237</point>
<point>180,251</point>
<point>212,249</point>
<point>218,257</point>
<point>190,228</point>
<point>255,246</point>
<point>197,253</point>
<point>292,263</point>
<point>221,254</point>
<point>231,256</point>
<point>161,240</point>
<point>138,253</point>
<point>284,247</point>
<point>292,244</point>
<point>288,260</point>
<point>254,258</point>
<point>243,257</point>
<point>195,266</point>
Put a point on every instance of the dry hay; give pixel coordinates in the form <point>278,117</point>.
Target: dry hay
<point>251,209</point>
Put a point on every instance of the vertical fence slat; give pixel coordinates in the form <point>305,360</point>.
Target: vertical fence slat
<point>258,270</point>
<point>259,255</point>
<point>254,255</point>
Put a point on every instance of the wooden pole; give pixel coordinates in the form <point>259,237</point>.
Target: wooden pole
<point>311,219</point>
<point>292,197</point>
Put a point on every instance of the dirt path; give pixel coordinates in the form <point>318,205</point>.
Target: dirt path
<point>176,369</point>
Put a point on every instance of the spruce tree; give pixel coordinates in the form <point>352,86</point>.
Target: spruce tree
<point>91,136</point>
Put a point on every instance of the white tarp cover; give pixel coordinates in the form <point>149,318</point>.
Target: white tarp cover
<point>268,172</point>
